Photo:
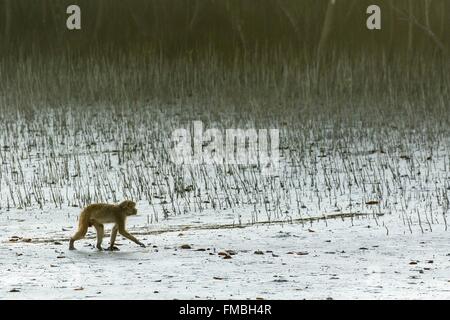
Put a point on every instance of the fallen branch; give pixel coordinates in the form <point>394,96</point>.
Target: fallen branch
<point>426,29</point>
<point>180,228</point>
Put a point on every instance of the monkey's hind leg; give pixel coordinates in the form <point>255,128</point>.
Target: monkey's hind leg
<point>113,239</point>
<point>100,233</point>
<point>77,236</point>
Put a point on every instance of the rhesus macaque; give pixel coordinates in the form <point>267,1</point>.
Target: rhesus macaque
<point>98,214</point>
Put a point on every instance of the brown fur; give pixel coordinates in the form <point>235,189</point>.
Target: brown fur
<point>98,214</point>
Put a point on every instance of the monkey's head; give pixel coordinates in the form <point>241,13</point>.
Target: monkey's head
<point>129,207</point>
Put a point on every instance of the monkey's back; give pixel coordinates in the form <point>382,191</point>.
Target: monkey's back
<point>101,212</point>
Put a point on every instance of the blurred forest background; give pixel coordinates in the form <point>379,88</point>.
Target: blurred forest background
<point>212,51</point>
<point>175,26</point>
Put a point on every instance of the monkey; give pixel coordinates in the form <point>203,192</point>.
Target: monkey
<point>98,214</point>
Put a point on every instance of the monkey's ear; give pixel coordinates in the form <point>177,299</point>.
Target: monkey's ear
<point>127,204</point>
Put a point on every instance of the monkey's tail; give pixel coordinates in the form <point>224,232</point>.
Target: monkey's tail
<point>84,220</point>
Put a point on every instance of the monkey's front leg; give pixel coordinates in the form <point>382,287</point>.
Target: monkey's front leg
<point>125,233</point>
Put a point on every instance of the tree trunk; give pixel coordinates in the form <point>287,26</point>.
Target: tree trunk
<point>290,18</point>
<point>410,26</point>
<point>8,21</point>
<point>98,20</point>
<point>326,29</point>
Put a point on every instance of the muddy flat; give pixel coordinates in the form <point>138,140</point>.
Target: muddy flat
<point>333,258</point>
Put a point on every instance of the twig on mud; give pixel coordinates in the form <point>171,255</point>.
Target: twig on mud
<point>215,226</point>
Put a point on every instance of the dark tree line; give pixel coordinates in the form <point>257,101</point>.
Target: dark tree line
<point>180,25</point>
